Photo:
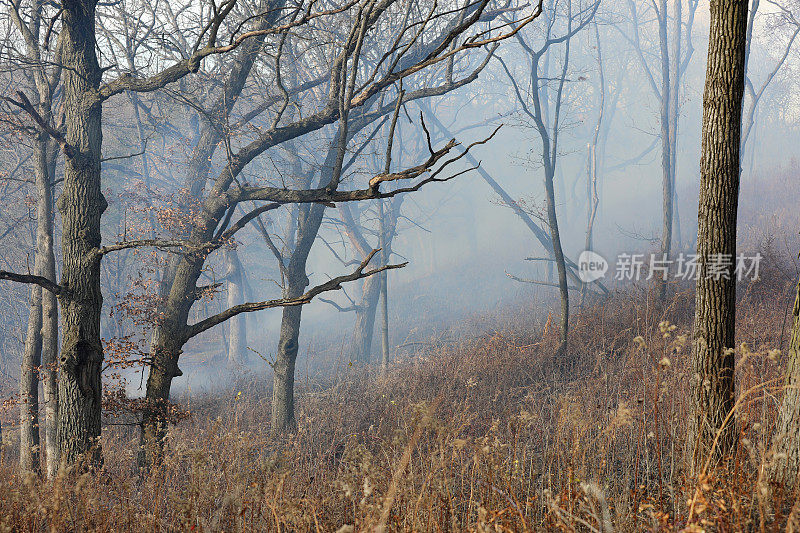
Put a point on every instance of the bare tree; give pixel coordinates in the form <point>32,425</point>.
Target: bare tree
<point>535,228</point>
<point>345,97</point>
<point>673,60</point>
<point>374,291</point>
<point>593,200</point>
<point>535,105</point>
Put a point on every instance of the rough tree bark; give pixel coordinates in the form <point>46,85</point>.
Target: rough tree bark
<point>282,418</point>
<point>81,205</point>
<point>715,314</point>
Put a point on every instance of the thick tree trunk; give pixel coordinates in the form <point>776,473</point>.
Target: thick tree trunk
<point>237,337</point>
<point>81,205</point>
<point>310,219</point>
<point>178,285</point>
<point>785,467</point>
<point>714,324</point>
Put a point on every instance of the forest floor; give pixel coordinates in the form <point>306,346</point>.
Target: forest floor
<point>491,435</point>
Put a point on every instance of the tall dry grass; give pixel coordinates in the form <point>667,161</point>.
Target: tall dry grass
<point>491,435</point>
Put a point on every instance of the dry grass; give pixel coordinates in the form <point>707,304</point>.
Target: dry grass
<point>492,435</point>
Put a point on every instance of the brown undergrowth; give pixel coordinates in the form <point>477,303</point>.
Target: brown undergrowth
<point>490,435</point>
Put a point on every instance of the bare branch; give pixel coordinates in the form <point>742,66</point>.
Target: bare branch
<point>348,309</point>
<point>192,64</point>
<point>334,284</point>
<point>537,282</point>
<point>32,279</point>
<point>328,197</point>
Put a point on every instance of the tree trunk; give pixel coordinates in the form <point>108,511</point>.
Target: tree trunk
<point>41,341</point>
<point>558,252</point>
<point>81,205</point>
<point>592,199</point>
<point>212,133</point>
<point>49,313</point>
<point>675,79</point>
<point>169,338</point>
<point>549,158</point>
<point>178,285</point>
<point>386,357</point>
<point>666,151</point>
<point>309,221</point>
<point>365,320</point>
<point>384,285</point>
<point>283,420</point>
<point>49,367</point>
<point>715,314</point>
<point>237,338</point>
<point>785,467</point>
<point>29,386</point>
